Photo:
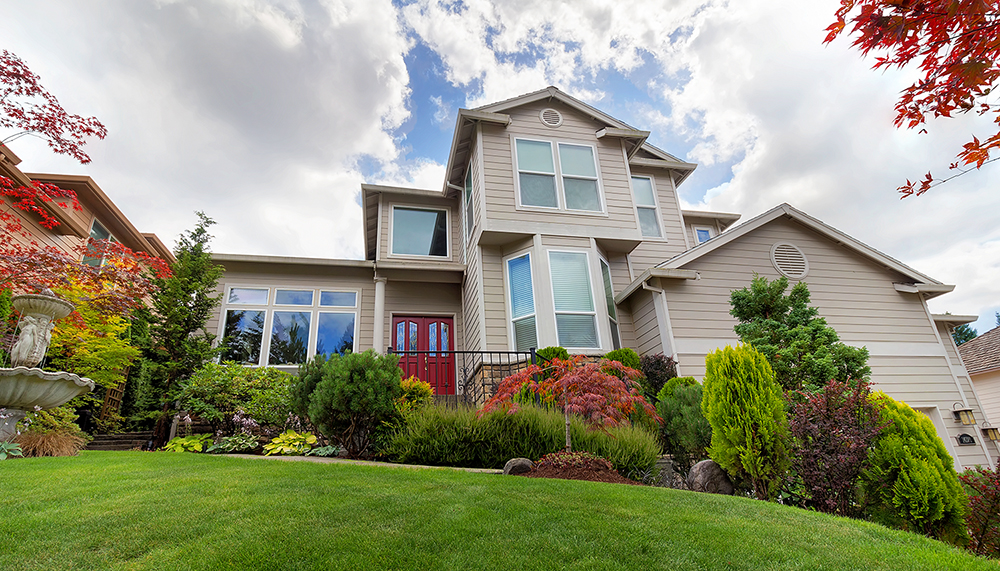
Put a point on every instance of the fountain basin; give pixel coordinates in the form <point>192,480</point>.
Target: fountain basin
<point>25,389</point>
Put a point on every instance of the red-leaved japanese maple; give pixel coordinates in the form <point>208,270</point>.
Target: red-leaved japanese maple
<point>604,394</point>
<point>957,45</point>
<point>983,517</point>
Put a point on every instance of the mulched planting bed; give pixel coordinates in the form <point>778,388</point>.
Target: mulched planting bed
<point>577,466</point>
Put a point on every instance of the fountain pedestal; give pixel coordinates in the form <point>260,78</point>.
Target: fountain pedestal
<point>24,387</point>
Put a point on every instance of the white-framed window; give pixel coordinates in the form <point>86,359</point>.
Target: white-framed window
<point>289,327</point>
<point>469,219</point>
<point>97,232</point>
<point>644,194</point>
<point>703,233</point>
<point>521,297</point>
<point>609,297</point>
<point>573,297</point>
<point>558,175</point>
<point>419,231</point>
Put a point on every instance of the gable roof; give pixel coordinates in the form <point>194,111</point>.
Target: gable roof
<point>982,353</point>
<point>494,113</point>
<point>920,282</point>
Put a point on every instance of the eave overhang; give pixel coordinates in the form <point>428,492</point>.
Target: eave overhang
<point>954,319</point>
<point>461,142</point>
<point>650,273</point>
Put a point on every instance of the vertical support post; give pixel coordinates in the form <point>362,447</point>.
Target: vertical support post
<point>378,337</point>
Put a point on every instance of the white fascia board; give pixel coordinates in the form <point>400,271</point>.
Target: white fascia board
<point>472,115</point>
<point>662,163</point>
<point>257,259</point>
<point>622,133</point>
<point>667,273</point>
<point>932,289</point>
<point>403,190</point>
<point>956,319</point>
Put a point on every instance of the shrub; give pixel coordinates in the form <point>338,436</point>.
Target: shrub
<point>911,481</point>
<point>833,431</point>
<point>625,356</point>
<point>983,519</point>
<point>290,443</point>
<point>193,443</point>
<point>686,433</point>
<point>416,394</point>
<point>656,370</point>
<point>217,392</point>
<point>352,395</point>
<point>550,353</point>
<point>747,413</point>
<point>440,436</point>
<point>239,442</point>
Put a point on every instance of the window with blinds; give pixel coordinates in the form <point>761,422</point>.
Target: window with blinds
<point>522,303</point>
<point>576,318</point>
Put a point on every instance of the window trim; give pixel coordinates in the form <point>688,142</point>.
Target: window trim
<point>560,187</point>
<point>509,303</point>
<point>611,320</point>
<point>277,289</point>
<point>392,227</point>
<point>657,210</point>
<point>694,230</point>
<point>269,308</point>
<point>593,293</point>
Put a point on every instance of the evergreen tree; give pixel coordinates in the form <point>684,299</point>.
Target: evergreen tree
<point>804,352</point>
<point>179,344</point>
<point>963,333</point>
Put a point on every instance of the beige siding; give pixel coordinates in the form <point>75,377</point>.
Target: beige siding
<point>470,304</point>
<point>499,174</point>
<point>988,388</point>
<point>647,332</point>
<point>565,242</point>
<point>43,236</point>
<point>495,309</point>
<point>423,299</point>
<point>454,227</point>
<point>651,252</point>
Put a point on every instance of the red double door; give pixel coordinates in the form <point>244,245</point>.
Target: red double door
<point>424,344</point>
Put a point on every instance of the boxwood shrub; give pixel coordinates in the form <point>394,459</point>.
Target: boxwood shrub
<point>439,436</point>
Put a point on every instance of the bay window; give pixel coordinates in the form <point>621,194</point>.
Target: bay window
<point>609,296</point>
<point>576,318</point>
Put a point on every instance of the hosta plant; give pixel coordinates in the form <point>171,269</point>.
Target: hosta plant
<point>239,442</point>
<point>325,451</point>
<point>193,443</point>
<point>9,449</point>
<point>290,443</point>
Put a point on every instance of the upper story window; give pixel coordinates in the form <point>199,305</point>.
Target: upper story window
<point>419,231</point>
<point>97,232</point>
<point>576,318</point>
<point>469,219</point>
<point>562,176</point>
<point>645,206</point>
<point>703,233</point>
<point>288,328</point>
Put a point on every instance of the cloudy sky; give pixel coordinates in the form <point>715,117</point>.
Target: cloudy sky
<point>269,115</point>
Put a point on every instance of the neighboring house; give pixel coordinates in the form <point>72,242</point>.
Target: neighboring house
<point>99,218</point>
<point>982,361</point>
<point>560,225</point>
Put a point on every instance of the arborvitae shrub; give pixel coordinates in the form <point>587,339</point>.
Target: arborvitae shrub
<point>911,481</point>
<point>983,520</point>
<point>656,371</point>
<point>686,433</point>
<point>746,410</point>
<point>440,436</point>
<point>353,395</point>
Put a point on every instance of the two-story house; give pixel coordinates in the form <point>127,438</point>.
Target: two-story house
<point>558,224</point>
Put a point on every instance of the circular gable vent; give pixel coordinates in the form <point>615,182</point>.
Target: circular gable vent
<point>550,117</point>
<point>789,260</point>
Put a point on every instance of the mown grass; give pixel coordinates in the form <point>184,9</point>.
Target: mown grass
<point>133,510</point>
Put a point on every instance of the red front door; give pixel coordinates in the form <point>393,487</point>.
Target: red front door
<point>431,339</point>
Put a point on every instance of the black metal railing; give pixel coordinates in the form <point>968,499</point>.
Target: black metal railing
<point>466,377</point>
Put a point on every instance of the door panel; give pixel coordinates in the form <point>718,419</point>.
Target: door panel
<point>432,338</point>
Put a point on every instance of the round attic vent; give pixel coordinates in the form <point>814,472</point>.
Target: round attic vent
<point>550,117</point>
<point>789,260</point>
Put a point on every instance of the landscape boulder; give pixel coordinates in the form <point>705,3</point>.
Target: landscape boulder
<point>516,466</point>
<point>707,476</point>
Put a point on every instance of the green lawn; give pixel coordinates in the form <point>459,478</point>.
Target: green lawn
<point>135,510</point>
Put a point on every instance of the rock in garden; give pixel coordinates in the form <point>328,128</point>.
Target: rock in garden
<point>516,466</point>
<point>707,476</point>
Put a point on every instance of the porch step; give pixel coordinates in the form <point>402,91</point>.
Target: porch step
<point>117,442</point>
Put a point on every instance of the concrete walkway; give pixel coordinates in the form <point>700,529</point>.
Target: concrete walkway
<point>322,460</point>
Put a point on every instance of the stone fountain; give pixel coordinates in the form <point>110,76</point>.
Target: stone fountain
<point>23,386</point>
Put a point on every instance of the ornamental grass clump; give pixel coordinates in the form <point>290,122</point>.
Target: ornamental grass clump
<point>745,407</point>
<point>51,432</point>
<point>910,482</point>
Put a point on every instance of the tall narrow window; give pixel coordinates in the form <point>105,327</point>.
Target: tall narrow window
<point>522,303</point>
<point>419,232</point>
<point>576,323</point>
<point>609,295</point>
<point>469,220</point>
<point>579,177</point>
<point>97,233</point>
<point>536,173</point>
<point>243,333</point>
<point>289,337</point>
<point>645,206</point>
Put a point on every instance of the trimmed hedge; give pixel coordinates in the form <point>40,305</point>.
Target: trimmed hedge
<point>439,436</point>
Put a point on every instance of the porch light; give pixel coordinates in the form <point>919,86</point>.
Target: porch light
<point>963,414</point>
<point>990,431</point>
